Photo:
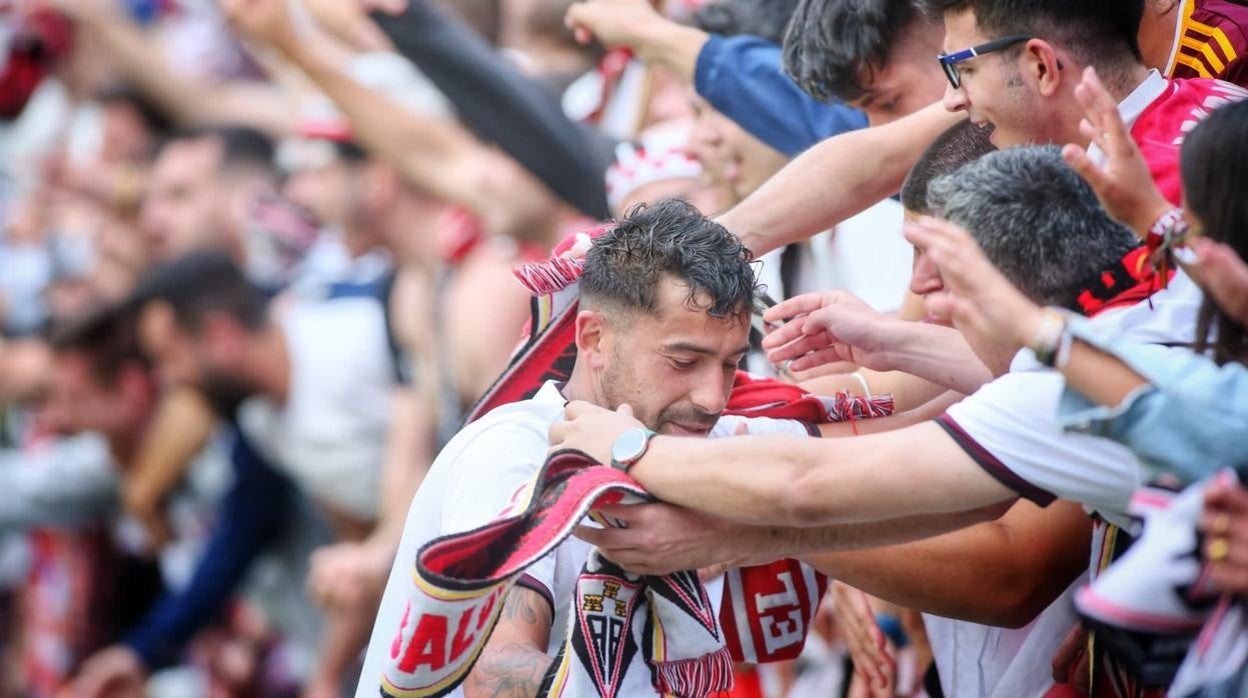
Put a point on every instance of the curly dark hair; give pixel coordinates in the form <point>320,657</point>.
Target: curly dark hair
<point>830,43</point>
<point>671,238</point>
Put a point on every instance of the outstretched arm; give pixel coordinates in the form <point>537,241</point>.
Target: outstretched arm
<point>500,105</point>
<point>434,154</point>
<point>187,102</point>
<point>837,179</point>
<point>1001,573</point>
<point>792,481</point>
<point>834,326</point>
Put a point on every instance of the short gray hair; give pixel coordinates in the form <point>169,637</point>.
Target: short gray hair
<point>1036,220</point>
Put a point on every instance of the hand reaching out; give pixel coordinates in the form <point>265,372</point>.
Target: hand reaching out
<point>828,327</point>
<point>661,538</point>
<point>1123,182</point>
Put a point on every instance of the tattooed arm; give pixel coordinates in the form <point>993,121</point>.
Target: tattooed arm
<point>514,661</point>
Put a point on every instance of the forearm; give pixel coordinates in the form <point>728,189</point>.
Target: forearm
<point>866,166</point>
<point>183,423</point>
<point>937,354</point>
<point>909,392</point>
<point>673,46</point>
<point>407,461</point>
<point>764,543</point>
<point>499,104</point>
<point>414,144</point>
<point>1102,378</point>
<point>184,100</point>
<point>925,412</point>
<point>795,481</point>
<point>987,574</point>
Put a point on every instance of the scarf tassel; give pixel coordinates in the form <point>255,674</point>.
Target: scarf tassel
<point>695,678</point>
<point>550,276</point>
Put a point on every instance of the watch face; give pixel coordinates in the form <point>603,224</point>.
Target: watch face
<point>629,446</point>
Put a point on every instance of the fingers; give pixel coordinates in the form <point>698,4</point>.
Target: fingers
<point>799,305</point>
<point>1228,500</point>
<point>800,347</point>
<point>822,357</point>
<point>784,334</point>
<point>1077,158</point>
<point>625,409</point>
<point>868,646</point>
<point>1103,109</point>
<point>1224,275</point>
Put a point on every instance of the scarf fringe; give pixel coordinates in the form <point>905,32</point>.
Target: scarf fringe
<point>695,678</point>
<point>852,408</point>
<point>549,276</point>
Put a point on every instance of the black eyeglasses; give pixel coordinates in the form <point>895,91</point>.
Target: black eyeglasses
<point>949,61</point>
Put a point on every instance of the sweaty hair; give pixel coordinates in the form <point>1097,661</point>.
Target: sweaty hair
<point>960,145</point>
<point>201,283</point>
<point>1036,220</point>
<point>766,18</point>
<point>1215,176</point>
<point>669,239</point>
<point>1102,33</point>
<point>831,43</point>
<point>106,336</point>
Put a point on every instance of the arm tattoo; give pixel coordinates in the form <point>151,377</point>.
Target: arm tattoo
<point>514,662</point>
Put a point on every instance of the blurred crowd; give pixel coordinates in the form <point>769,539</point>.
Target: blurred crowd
<point>262,260</point>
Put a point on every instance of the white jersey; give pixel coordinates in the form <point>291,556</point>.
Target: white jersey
<point>1009,427</point>
<point>330,435</point>
<point>481,474</point>
<point>981,661</point>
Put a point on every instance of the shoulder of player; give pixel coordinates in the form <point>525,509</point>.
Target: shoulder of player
<point>506,432</point>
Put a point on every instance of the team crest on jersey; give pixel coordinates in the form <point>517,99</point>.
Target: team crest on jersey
<point>606,647</point>
<point>685,590</point>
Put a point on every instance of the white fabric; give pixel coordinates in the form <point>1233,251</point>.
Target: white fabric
<point>330,435</point>
<point>979,661</point>
<point>481,474</point>
<point>1014,417</point>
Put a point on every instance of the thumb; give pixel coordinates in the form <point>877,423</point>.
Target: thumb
<point>625,410</point>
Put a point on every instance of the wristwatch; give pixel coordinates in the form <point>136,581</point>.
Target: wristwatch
<point>629,447</point>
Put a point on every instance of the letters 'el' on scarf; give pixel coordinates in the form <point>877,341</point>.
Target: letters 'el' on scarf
<point>461,581</point>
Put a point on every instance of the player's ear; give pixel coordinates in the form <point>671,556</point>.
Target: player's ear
<point>592,338</point>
